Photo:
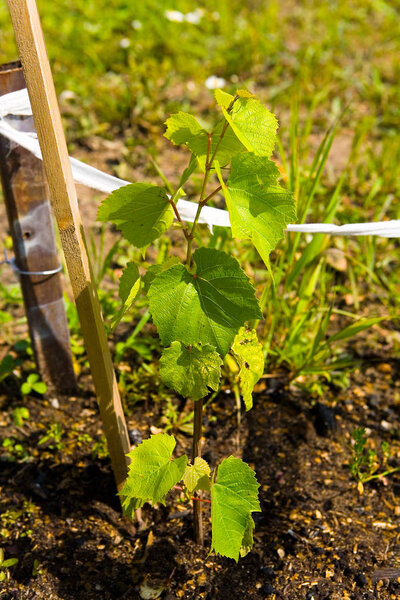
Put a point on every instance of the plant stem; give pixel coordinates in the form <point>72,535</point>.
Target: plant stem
<point>180,489</point>
<point>203,200</point>
<point>225,127</point>
<point>178,216</point>
<point>200,205</point>
<point>379,475</point>
<point>238,413</point>
<point>197,426</point>
<point>218,189</point>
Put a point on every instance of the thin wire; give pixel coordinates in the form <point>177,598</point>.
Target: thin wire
<point>16,269</point>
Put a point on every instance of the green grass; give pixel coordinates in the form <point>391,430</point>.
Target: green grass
<point>330,72</point>
<point>336,53</point>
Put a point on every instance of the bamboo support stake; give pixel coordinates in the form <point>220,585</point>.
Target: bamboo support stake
<point>46,114</point>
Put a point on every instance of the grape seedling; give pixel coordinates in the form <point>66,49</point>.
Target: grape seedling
<point>203,305</point>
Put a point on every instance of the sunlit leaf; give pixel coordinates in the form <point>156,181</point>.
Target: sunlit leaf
<point>253,124</point>
<point>140,210</point>
<point>259,209</point>
<point>155,270</point>
<point>190,371</point>
<point>130,286</point>
<point>197,476</point>
<point>250,357</point>
<point>184,129</point>
<point>234,496</point>
<point>152,471</point>
<point>208,306</point>
<point>247,542</point>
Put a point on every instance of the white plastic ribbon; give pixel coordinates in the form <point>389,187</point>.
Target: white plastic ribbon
<point>17,104</point>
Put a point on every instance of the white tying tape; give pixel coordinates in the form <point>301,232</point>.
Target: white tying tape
<point>17,103</point>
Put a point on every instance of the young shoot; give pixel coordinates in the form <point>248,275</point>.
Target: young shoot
<point>203,305</point>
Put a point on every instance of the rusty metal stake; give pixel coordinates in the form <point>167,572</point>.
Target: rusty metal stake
<point>27,203</point>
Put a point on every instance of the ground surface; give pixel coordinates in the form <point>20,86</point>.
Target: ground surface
<point>316,537</point>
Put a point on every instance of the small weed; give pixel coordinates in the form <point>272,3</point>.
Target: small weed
<point>36,570</point>
<point>5,565</point>
<point>17,515</point>
<point>139,384</point>
<point>19,415</point>
<point>174,420</point>
<point>7,365</point>
<point>33,384</point>
<point>15,450</point>
<point>99,449</point>
<point>24,349</point>
<point>365,463</point>
<point>53,435</point>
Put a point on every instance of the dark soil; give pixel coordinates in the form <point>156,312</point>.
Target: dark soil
<point>316,537</point>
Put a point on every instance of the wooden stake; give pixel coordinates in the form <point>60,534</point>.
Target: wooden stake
<point>197,430</point>
<point>46,114</point>
<point>34,243</point>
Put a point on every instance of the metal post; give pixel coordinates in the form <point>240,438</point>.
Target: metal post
<point>27,203</point>
<point>46,114</point>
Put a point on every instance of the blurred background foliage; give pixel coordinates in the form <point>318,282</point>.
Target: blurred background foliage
<point>117,63</point>
<point>330,72</point>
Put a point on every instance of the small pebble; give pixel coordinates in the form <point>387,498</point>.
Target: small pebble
<point>360,580</point>
<point>324,419</point>
<point>135,437</point>
<point>268,589</point>
<point>373,400</point>
<point>267,572</point>
<point>55,403</point>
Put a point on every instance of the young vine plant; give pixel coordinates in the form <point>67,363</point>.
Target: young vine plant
<point>202,305</point>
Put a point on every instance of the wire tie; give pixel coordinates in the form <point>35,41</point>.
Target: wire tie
<point>16,269</point>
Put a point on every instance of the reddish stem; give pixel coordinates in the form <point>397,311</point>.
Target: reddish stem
<point>178,487</point>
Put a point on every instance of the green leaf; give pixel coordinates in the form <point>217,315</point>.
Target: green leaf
<point>234,496</point>
<point>206,307</point>
<point>244,94</point>
<point>250,357</point>
<point>154,270</point>
<point>152,471</point>
<point>228,147</point>
<point>191,371</point>
<point>259,209</point>
<point>7,364</point>
<point>130,286</point>
<point>40,387</point>
<point>223,99</point>
<point>10,562</point>
<point>188,171</point>
<point>184,129</point>
<point>197,476</point>
<point>253,124</point>
<point>140,210</point>
<point>130,506</point>
<point>351,330</point>
<point>247,541</point>
<point>25,388</point>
